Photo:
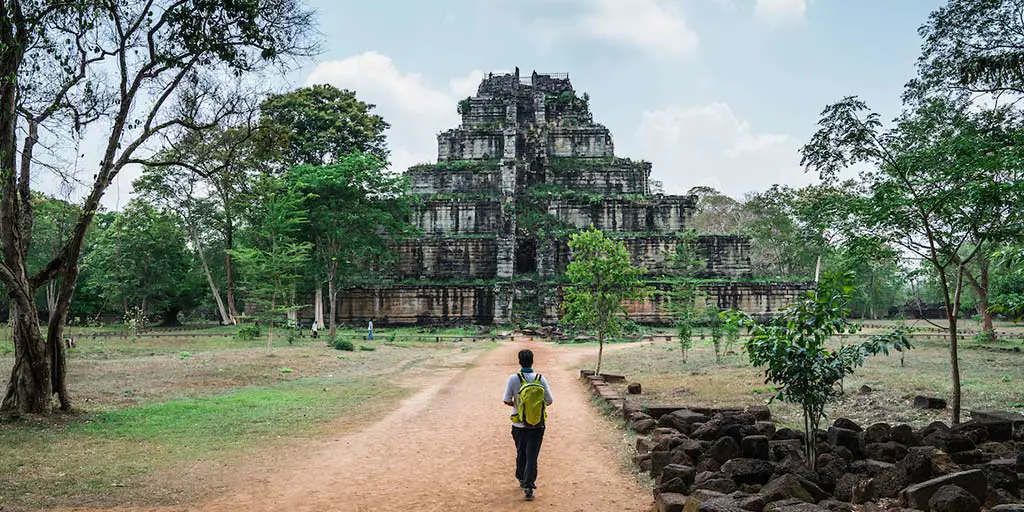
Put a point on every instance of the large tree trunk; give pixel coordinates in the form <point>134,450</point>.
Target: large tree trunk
<point>318,308</point>
<point>332,296</point>
<point>229,274</point>
<point>30,386</point>
<point>225,319</point>
<point>952,304</point>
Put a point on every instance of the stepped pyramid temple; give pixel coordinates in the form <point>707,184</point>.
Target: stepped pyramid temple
<point>527,168</point>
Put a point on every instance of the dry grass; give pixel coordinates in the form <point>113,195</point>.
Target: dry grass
<point>992,378</point>
<point>166,420</point>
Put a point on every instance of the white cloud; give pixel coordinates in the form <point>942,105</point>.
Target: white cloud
<point>709,145</point>
<point>416,109</point>
<point>652,25</point>
<point>780,12</point>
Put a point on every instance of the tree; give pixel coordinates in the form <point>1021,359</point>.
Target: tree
<point>204,176</point>
<point>602,277</point>
<point>275,254</point>
<point>141,260</point>
<point>355,210</point>
<point>317,126</point>
<point>793,349</point>
<point>320,124</point>
<point>944,184</point>
<point>131,72</point>
<point>53,221</point>
<point>780,246</point>
<point>716,213</point>
<point>972,46</point>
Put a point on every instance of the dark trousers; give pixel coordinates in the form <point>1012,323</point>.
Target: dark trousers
<point>528,441</point>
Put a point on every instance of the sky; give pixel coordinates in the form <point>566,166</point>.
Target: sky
<point>713,92</point>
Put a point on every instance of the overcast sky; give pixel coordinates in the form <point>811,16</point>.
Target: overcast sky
<point>713,92</point>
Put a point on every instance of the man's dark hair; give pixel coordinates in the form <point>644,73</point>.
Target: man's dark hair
<point>526,358</point>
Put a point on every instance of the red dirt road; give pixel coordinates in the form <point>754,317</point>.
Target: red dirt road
<point>449,447</point>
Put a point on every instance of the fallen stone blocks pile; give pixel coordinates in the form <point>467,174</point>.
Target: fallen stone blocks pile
<point>730,460</point>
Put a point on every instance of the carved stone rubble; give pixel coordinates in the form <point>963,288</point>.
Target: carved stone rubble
<point>527,167</point>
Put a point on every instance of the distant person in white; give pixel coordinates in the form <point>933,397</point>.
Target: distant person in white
<point>369,330</point>
<point>527,439</point>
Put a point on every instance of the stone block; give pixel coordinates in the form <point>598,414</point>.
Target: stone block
<point>918,495</point>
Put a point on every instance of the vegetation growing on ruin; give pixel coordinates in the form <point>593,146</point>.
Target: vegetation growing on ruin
<point>569,106</point>
<point>565,165</point>
<point>475,166</point>
<point>465,105</point>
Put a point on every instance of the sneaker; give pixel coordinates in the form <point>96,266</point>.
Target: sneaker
<point>529,495</point>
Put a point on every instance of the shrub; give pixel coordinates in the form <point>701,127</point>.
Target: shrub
<point>792,349</point>
<point>367,348</point>
<point>343,344</point>
<point>248,332</point>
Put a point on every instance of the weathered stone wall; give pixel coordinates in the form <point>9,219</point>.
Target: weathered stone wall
<point>725,257</point>
<point>584,141</point>
<point>447,181</point>
<point>619,177</point>
<point>660,214</point>
<point>447,258</point>
<point>432,304</point>
<point>458,217</point>
<point>459,144</point>
<point>757,299</point>
<point>485,113</point>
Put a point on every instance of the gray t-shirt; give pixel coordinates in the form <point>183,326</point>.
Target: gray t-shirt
<point>512,391</point>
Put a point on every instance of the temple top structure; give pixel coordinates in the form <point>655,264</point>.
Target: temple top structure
<point>509,104</point>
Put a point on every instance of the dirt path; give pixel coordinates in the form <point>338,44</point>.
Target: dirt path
<point>449,448</point>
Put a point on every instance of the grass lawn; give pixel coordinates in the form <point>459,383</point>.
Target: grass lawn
<point>165,420</point>
<point>992,377</point>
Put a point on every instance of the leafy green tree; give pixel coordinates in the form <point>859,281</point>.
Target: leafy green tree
<point>781,247</point>
<point>140,259</point>
<point>204,177</point>
<point>944,184</point>
<point>793,349</point>
<point>275,255</point>
<point>53,221</point>
<point>601,277</point>
<point>355,210</point>
<point>131,73</point>
<point>320,124</point>
<point>878,278</point>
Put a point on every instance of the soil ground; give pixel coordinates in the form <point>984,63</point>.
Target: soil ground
<point>449,447</point>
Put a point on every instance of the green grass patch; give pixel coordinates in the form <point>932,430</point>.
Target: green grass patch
<point>91,458</point>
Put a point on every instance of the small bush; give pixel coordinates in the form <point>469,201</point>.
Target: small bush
<point>367,348</point>
<point>343,344</point>
<point>248,332</point>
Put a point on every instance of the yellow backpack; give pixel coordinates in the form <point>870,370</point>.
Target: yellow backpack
<point>531,408</point>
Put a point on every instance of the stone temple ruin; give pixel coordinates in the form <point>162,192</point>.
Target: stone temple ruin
<point>527,167</point>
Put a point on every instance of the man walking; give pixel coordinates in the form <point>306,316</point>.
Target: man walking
<point>527,391</point>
